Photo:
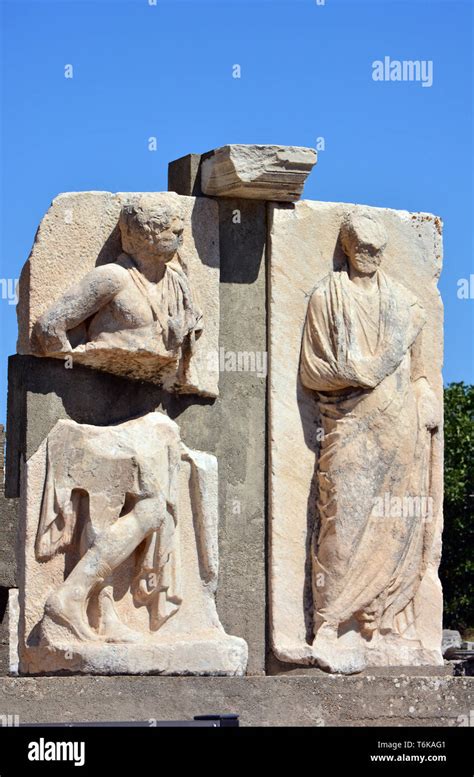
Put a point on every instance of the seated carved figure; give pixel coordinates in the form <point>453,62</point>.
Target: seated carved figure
<point>139,307</point>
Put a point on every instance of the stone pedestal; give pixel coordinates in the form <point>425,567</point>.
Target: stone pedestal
<point>395,700</point>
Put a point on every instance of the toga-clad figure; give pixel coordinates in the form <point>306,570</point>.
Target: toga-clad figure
<point>361,355</point>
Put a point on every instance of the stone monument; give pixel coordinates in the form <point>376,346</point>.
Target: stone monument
<point>156,514</point>
<point>119,547</point>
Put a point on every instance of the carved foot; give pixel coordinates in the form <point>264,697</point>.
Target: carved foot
<point>341,655</point>
<point>118,632</point>
<point>65,611</point>
<point>112,629</point>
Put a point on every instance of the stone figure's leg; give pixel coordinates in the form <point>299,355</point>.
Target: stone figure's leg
<point>168,599</point>
<point>157,584</point>
<point>68,604</point>
<point>101,612</point>
<point>111,627</point>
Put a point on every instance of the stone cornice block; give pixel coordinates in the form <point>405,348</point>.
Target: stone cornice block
<point>255,172</point>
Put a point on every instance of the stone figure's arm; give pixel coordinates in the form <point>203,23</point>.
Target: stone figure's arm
<point>319,369</point>
<point>325,366</point>
<point>429,409</point>
<point>84,299</point>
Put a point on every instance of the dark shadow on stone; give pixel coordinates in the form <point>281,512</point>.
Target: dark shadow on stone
<point>308,408</point>
<point>339,259</point>
<point>81,394</point>
<point>242,245</point>
<point>74,551</point>
<point>3,603</point>
<point>34,637</point>
<point>111,249</point>
<point>198,233</point>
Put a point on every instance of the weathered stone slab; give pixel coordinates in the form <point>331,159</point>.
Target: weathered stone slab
<point>317,700</point>
<point>257,172</point>
<point>120,554</point>
<point>41,391</point>
<point>128,284</point>
<point>241,444</point>
<point>8,527</point>
<point>4,632</point>
<point>184,175</point>
<point>306,460</point>
<point>13,624</point>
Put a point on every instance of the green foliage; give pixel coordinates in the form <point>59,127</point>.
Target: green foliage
<point>457,566</point>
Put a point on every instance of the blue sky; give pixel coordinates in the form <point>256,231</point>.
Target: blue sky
<point>165,70</point>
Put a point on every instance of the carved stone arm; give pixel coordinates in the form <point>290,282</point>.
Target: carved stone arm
<point>84,299</point>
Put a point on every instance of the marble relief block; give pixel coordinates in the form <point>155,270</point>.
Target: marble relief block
<point>356,479</point>
<point>119,554</point>
<point>128,284</point>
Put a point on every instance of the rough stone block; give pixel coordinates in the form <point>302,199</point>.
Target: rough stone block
<point>257,172</point>
<point>184,175</point>
<point>319,701</point>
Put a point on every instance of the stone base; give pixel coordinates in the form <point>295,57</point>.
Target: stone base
<point>219,655</point>
<point>355,659</point>
<point>314,700</point>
